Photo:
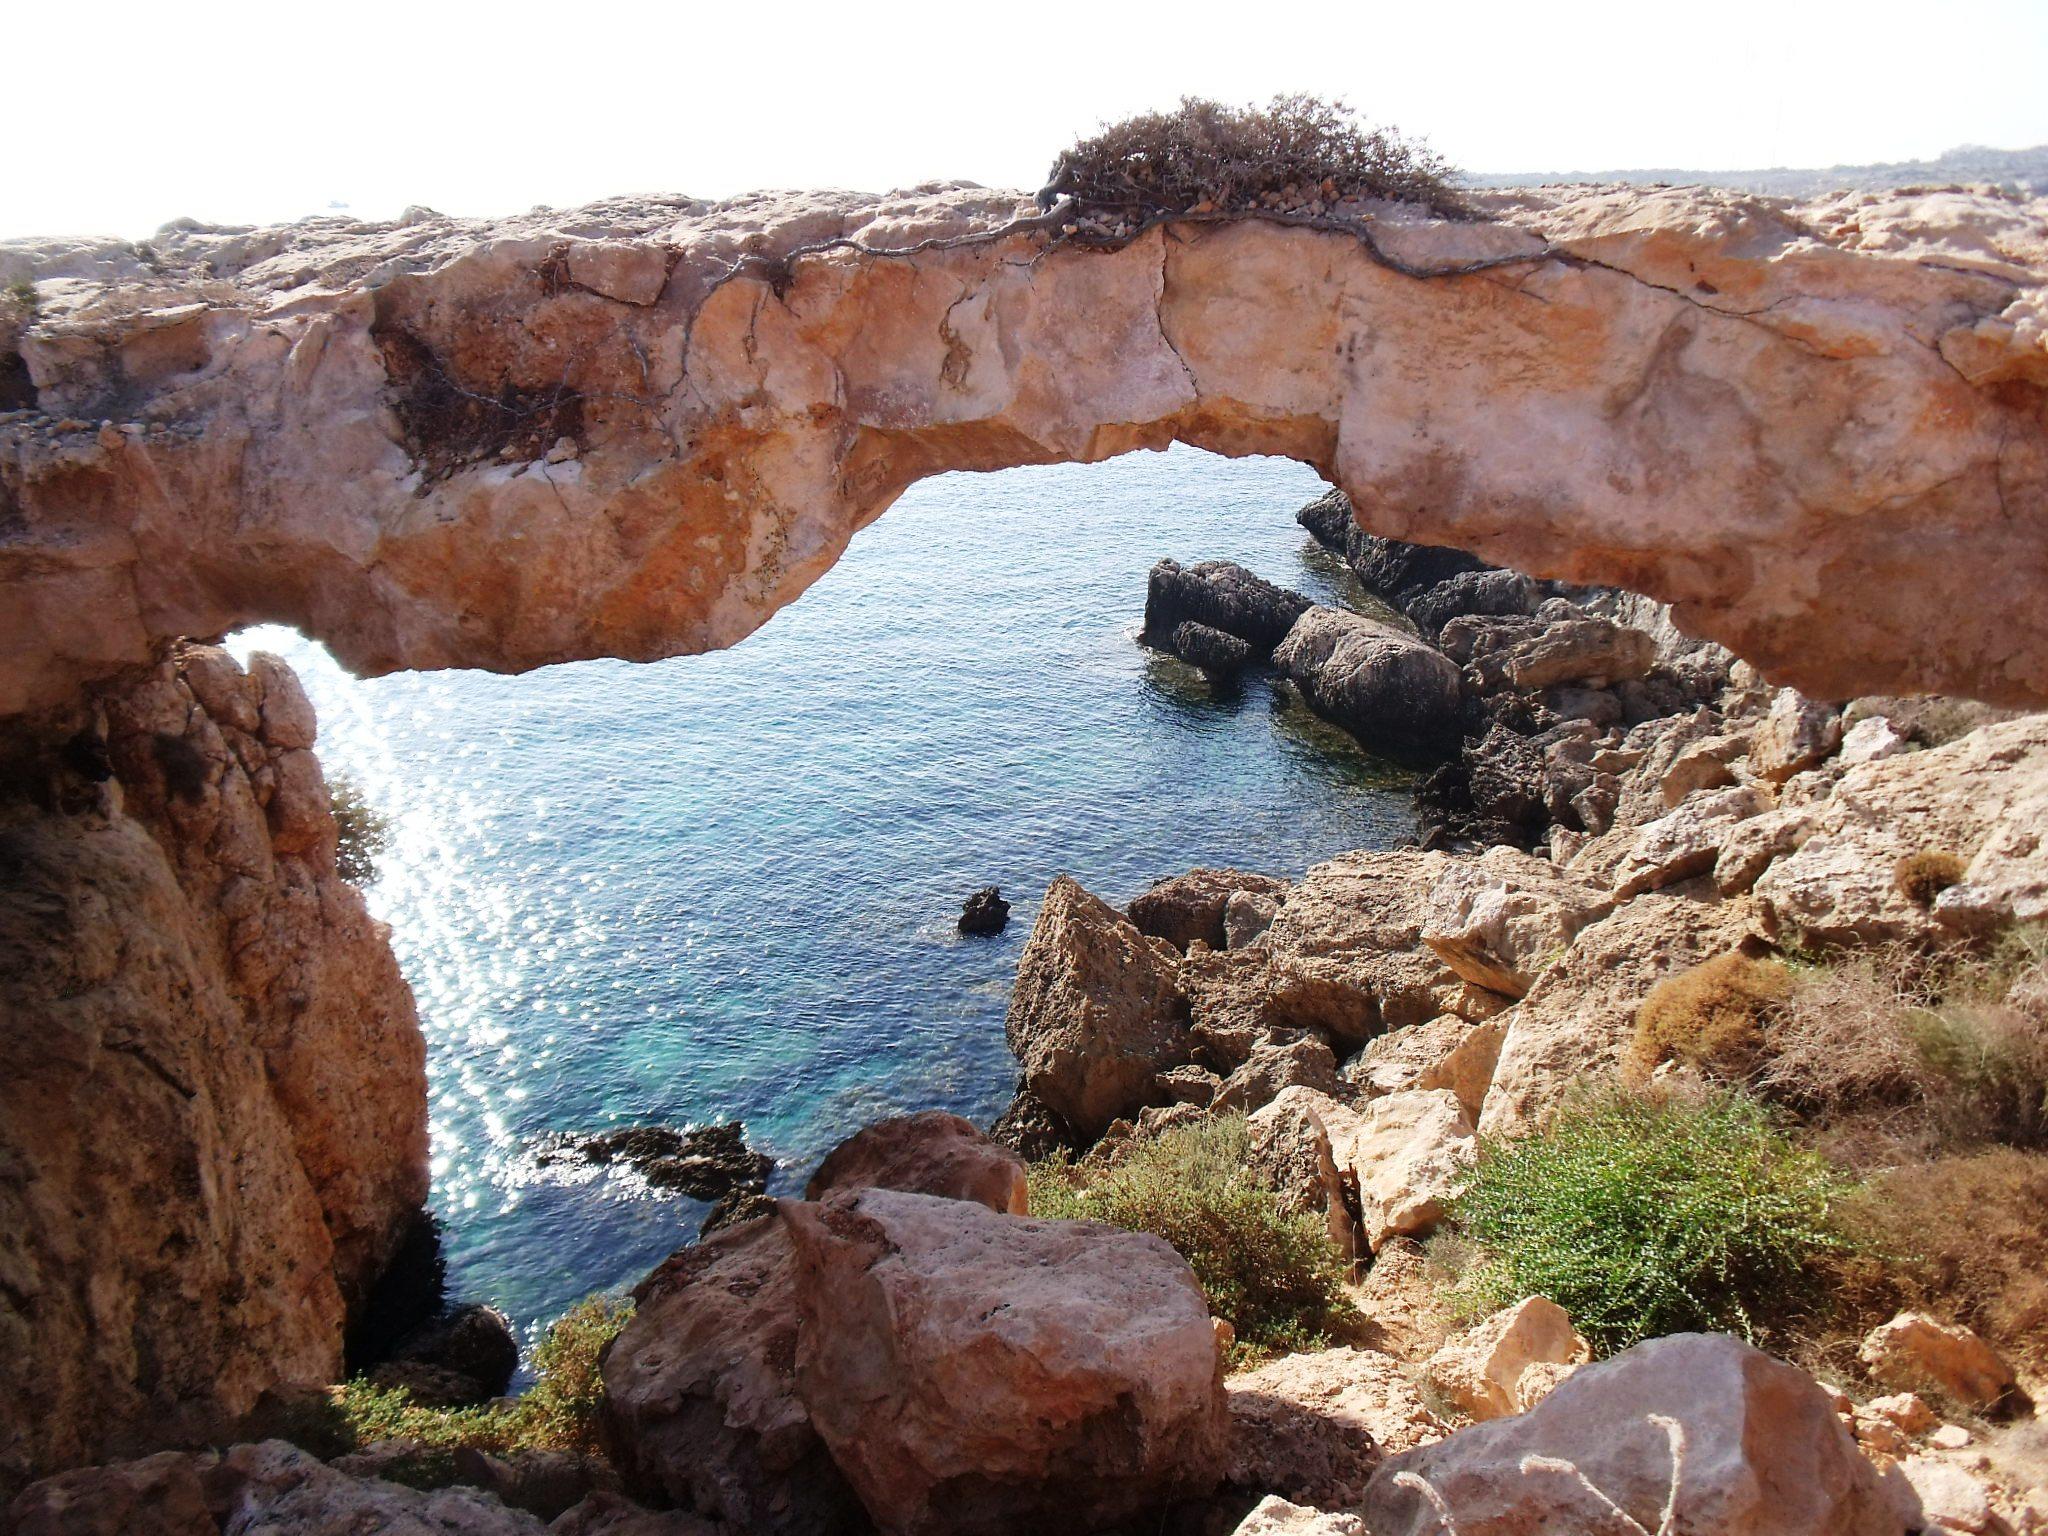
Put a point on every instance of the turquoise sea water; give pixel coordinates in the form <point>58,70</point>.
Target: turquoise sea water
<point>724,887</point>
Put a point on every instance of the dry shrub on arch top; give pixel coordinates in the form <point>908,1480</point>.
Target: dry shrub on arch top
<point>1204,152</point>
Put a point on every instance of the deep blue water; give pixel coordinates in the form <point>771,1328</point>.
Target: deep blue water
<point>724,887</point>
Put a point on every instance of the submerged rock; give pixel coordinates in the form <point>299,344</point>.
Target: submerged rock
<point>984,912</point>
<point>1398,696</point>
<point>706,1162</point>
<point>1211,649</point>
<point>977,1374</point>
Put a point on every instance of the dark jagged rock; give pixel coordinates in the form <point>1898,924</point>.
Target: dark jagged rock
<point>1472,592</point>
<point>1399,696</point>
<point>1222,595</point>
<point>464,1358</point>
<point>740,1205</point>
<point>1492,793</point>
<point>1330,520</point>
<point>984,912</point>
<point>1558,644</point>
<point>1030,1128</point>
<point>706,1162</point>
<point>1403,573</point>
<point>1209,648</point>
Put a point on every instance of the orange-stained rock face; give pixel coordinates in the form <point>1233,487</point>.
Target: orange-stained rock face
<point>638,429</point>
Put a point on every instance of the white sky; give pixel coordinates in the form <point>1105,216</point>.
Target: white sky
<point>123,115</point>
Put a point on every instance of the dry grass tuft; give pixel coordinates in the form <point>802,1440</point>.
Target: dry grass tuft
<point>1207,155</point>
<point>1711,1017</point>
<point>1923,876</point>
<point>1962,1238</point>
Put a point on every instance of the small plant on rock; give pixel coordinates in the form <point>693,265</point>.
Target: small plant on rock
<point>1643,1216</point>
<point>1274,1277</point>
<point>1296,149</point>
<point>1923,876</point>
<point>362,832</point>
<point>1711,1017</point>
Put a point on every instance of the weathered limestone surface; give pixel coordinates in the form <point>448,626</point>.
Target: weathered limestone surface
<point>213,1110</point>
<point>637,429</point>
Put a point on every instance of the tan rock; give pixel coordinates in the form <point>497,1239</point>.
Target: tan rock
<point>1497,920</point>
<point>1447,1052</point>
<point>1407,1156</point>
<point>375,524</point>
<point>1982,798</point>
<point>1290,1153</point>
<point>1915,1352</point>
<point>1097,1013</point>
<point>1576,1021</point>
<point>1509,1362</point>
<point>1687,841</point>
<point>981,1373</point>
<point>929,1153</point>
<point>1721,1436</point>
<point>1871,740</point>
<point>1274,1516</point>
<point>1345,949</point>
<point>1306,1062</point>
<point>1752,846</point>
<point>1949,1499</point>
<point>1796,733</point>
<point>700,1391</point>
<point>1907,1411</point>
<point>1313,1427</point>
<point>1702,764</point>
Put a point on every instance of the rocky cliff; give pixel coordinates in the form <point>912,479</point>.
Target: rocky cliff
<point>639,428</point>
<point>213,1118</point>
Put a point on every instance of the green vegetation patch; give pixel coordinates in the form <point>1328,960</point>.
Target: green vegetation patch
<point>1643,1216</point>
<point>1274,1277</point>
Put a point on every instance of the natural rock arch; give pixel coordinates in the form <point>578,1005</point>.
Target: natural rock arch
<point>639,429</point>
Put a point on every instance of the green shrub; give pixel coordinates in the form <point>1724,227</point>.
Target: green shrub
<point>1272,1276</point>
<point>1643,1217</point>
<point>363,833</point>
<point>1233,157</point>
<point>558,1413</point>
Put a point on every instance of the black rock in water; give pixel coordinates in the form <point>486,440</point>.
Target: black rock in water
<point>1208,648</point>
<point>1223,595</point>
<point>706,1162</point>
<point>985,911</point>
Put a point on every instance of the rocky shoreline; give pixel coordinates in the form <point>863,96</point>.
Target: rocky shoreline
<point>907,1349</point>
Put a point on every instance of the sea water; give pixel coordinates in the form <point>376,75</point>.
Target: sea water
<point>724,887</point>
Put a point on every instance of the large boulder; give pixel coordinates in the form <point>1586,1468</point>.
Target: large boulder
<point>1796,733</point>
<point>464,1358</point>
<point>1983,799</point>
<point>1222,595</point>
<point>1687,841</point>
<point>1097,1013</point>
<point>1313,1427</point>
<point>1275,1065</point>
<point>1691,1435</point>
<point>1471,592</point>
<point>928,1153</point>
<point>1579,1017</point>
<point>1397,695</point>
<point>700,1391</point>
<point>1184,908</point>
<point>977,1373</point>
<point>1499,919</point>
<point>1447,1052</point>
<point>1290,1152</point>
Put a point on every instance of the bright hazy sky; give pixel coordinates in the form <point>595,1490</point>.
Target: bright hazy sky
<point>124,115</point>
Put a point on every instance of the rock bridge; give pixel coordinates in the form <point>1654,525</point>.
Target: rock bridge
<point>640,428</point>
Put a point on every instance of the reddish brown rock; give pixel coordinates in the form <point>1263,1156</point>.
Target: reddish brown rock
<point>1191,906</point>
<point>977,1373</point>
<point>929,1153</point>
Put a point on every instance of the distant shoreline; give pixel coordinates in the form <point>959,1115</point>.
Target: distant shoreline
<point>2026,170</point>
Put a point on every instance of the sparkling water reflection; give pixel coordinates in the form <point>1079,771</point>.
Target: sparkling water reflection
<point>724,886</point>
